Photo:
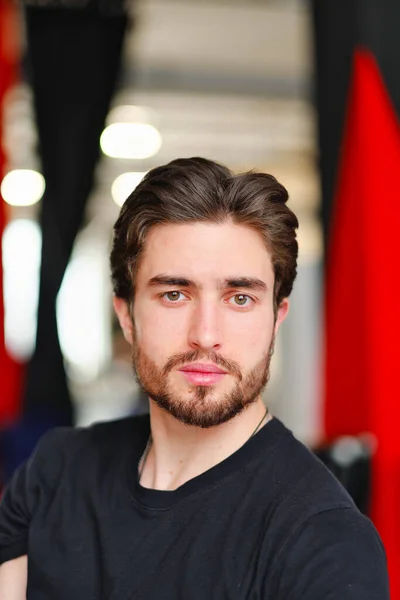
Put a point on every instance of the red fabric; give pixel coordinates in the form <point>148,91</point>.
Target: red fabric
<point>362,295</point>
<point>10,371</point>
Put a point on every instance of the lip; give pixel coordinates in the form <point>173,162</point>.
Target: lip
<point>202,374</point>
<point>202,368</point>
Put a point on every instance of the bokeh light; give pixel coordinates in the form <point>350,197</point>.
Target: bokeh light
<point>124,185</point>
<point>130,140</point>
<point>22,187</point>
<point>21,247</point>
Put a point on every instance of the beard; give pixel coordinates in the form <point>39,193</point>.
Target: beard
<point>205,407</point>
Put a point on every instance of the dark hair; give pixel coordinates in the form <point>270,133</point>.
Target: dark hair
<point>196,189</point>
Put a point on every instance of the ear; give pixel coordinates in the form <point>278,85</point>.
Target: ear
<point>283,312</point>
<point>121,308</point>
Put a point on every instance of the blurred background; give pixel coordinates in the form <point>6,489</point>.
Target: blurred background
<point>94,93</point>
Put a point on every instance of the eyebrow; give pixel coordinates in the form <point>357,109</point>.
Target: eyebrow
<point>250,283</point>
<point>171,280</point>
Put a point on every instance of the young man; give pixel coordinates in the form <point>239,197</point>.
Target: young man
<point>209,496</point>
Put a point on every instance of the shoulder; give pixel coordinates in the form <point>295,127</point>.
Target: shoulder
<point>64,458</point>
<point>335,553</point>
<point>61,446</point>
<point>67,451</point>
<point>302,483</point>
<point>324,547</point>
<point>340,527</point>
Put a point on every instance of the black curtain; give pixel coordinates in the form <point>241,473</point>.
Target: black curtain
<point>72,63</point>
<point>340,27</point>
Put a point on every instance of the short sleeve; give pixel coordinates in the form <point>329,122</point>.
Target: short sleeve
<point>29,484</point>
<point>334,555</point>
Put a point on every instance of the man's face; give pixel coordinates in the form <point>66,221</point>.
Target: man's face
<point>203,320</point>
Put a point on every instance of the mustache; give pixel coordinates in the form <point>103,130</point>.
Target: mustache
<point>196,355</point>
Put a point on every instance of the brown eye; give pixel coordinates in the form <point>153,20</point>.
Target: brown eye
<point>172,296</point>
<point>242,300</point>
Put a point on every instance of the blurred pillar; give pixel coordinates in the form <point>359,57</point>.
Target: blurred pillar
<point>298,404</point>
<point>358,99</point>
<point>73,59</point>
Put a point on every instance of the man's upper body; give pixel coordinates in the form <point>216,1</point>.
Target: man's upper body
<point>211,497</point>
<point>268,522</point>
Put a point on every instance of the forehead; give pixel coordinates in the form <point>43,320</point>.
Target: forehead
<point>204,251</point>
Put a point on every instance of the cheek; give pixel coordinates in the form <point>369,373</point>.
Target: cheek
<point>254,327</point>
<point>157,335</point>
<point>250,336</point>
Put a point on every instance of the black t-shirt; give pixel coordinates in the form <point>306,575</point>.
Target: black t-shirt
<point>269,522</point>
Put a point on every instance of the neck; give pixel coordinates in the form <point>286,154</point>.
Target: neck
<point>180,452</point>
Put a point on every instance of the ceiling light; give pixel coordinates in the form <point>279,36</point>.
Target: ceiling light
<point>130,140</point>
<point>124,185</point>
<point>22,187</point>
<point>21,245</point>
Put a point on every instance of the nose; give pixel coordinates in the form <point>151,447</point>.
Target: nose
<point>205,332</point>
